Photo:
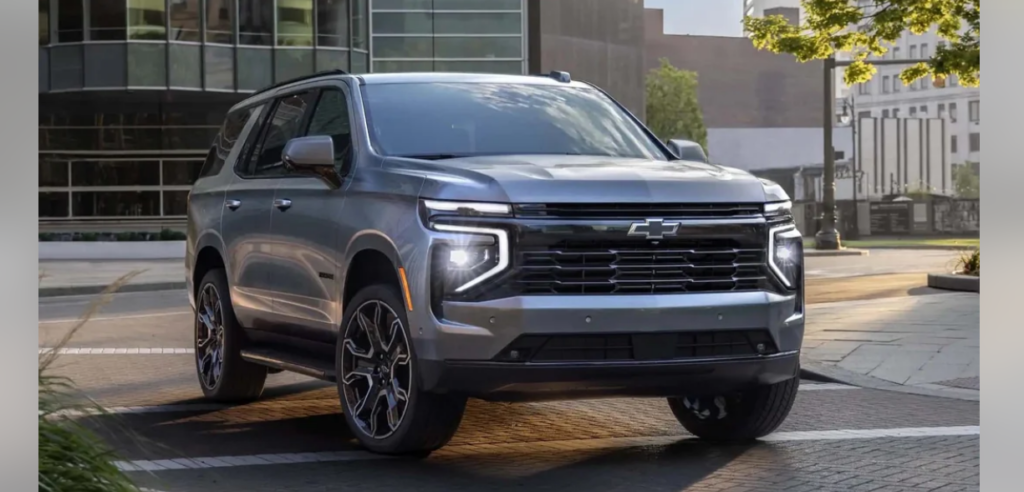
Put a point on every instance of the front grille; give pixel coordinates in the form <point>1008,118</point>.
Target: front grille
<point>638,347</point>
<point>639,268</point>
<point>637,210</point>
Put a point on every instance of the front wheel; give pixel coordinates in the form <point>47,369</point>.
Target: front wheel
<point>378,384</point>
<point>741,416</point>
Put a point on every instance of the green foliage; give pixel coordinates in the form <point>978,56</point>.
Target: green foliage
<point>966,183</point>
<point>673,110</point>
<point>969,263</point>
<point>829,28</point>
<point>72,458</point>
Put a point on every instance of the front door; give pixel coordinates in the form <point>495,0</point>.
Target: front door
<point>305,224</point>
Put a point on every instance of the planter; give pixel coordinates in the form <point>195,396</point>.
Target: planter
<point>957,282</point>
<point>114,250</point>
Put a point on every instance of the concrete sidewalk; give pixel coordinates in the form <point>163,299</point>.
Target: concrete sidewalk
<point>917,344</point>
<point>66,278</point>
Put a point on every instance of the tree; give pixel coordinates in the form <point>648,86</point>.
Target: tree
<point>673,110</point>
<point>827,29</point>
<point>966,182</point>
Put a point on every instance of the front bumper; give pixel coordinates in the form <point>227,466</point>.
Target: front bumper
<point>500,381</point>
<point>461,355</point>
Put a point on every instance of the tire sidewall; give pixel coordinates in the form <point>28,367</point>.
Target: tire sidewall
<point>389,296</point>
<point>232,333</point>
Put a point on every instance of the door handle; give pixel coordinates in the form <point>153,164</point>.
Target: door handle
<point>232,204</point>
<point>282,203</point>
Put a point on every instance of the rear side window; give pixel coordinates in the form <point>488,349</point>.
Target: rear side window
<point>225,141</point>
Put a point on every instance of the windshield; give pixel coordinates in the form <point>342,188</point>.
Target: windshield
<point>443,120</point>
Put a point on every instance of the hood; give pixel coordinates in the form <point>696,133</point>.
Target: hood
<point>586,179</point>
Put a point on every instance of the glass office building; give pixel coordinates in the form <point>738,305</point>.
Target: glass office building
<point>132,92</point>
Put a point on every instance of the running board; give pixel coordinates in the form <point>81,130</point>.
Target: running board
<point>287,361</point>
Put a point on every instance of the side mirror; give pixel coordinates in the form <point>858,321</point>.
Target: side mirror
<point>313,156</point>
<point>687,150</point>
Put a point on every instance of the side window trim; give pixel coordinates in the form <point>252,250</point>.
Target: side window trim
<point>257,148</point>
<point>243,164</point>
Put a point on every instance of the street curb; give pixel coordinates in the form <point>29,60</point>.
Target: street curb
<point>961,283</point>
<point>839,252</point>
<point>84,290</point>
<point>834,374</point>
<point>928,246</point>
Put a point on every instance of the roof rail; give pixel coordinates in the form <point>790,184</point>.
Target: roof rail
<point>559,76</point>
<point>316,75</point>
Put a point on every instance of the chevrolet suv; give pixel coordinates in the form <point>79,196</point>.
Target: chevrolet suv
<point>419,239</point>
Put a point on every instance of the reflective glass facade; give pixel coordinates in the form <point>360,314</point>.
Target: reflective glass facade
<point>132,92</point>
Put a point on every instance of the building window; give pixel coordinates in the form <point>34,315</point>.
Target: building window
<point>885,113</point>
<point>332,23</point>
<point>913,52</point>
<point>974,111</point>
<point>107,20</point>
<point>924,111</point>
<point>913,112</point>
<point>186,16</point>
<point>70,21</point>
<point>220,17</point>
<point>896,113</point>
<point>953,144</point>
<point>974,142</point>
<point>863,88</point>
<point>952,112</point>
<point>44,22</point>
<point>896,83</point>
<point>295,23</point>
<point>896,52</point>
<point>147,20</point>
<point>924,50</point>
<point>360,31</point>
<point>942,110</point>
<point>256,22</point>
<point>885,84</point>
<point>953,81</point>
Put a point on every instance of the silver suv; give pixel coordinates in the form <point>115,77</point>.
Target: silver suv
<point>423,238</point>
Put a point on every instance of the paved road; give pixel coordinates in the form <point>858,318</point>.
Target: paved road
<point>838,438</point>
<point>882,261</point>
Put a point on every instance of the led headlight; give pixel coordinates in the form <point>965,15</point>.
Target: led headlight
<point>439,207</point>
<point>475,256</point>
<point>786,254</point>
<point>778,209</point>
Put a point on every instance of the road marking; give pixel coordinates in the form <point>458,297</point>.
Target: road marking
<point>118,351</point>
<point>519,448</point>
<point>110,318</point>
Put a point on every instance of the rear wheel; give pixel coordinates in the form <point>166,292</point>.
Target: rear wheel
<point>378,384</point>
<point>741,416</point>
<point>223,374</point>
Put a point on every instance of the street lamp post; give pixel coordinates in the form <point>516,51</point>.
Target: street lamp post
<point>828,237</point>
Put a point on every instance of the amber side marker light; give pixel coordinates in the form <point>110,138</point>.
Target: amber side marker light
<point>405,288</point>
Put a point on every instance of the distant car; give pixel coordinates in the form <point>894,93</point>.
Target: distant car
<point>424,238</point>
<point>687,150</point>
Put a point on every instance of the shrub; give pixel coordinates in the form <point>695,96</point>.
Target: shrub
<point>72,458</point>
<point>969,263</point>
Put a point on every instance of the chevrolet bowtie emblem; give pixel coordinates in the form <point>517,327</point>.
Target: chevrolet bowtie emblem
<point>653,229</point>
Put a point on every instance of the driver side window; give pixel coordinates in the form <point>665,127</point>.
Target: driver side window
<point>331,118</point>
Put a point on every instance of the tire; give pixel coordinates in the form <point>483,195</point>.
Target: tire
<point>748,415</point>
<point>419,424</point>
<point>238,380</point>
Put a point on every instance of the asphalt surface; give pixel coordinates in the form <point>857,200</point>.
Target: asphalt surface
<point>837,438</point>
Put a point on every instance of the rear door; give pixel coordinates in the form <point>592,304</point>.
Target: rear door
<point>305,223</point>
<point>245,228</point>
